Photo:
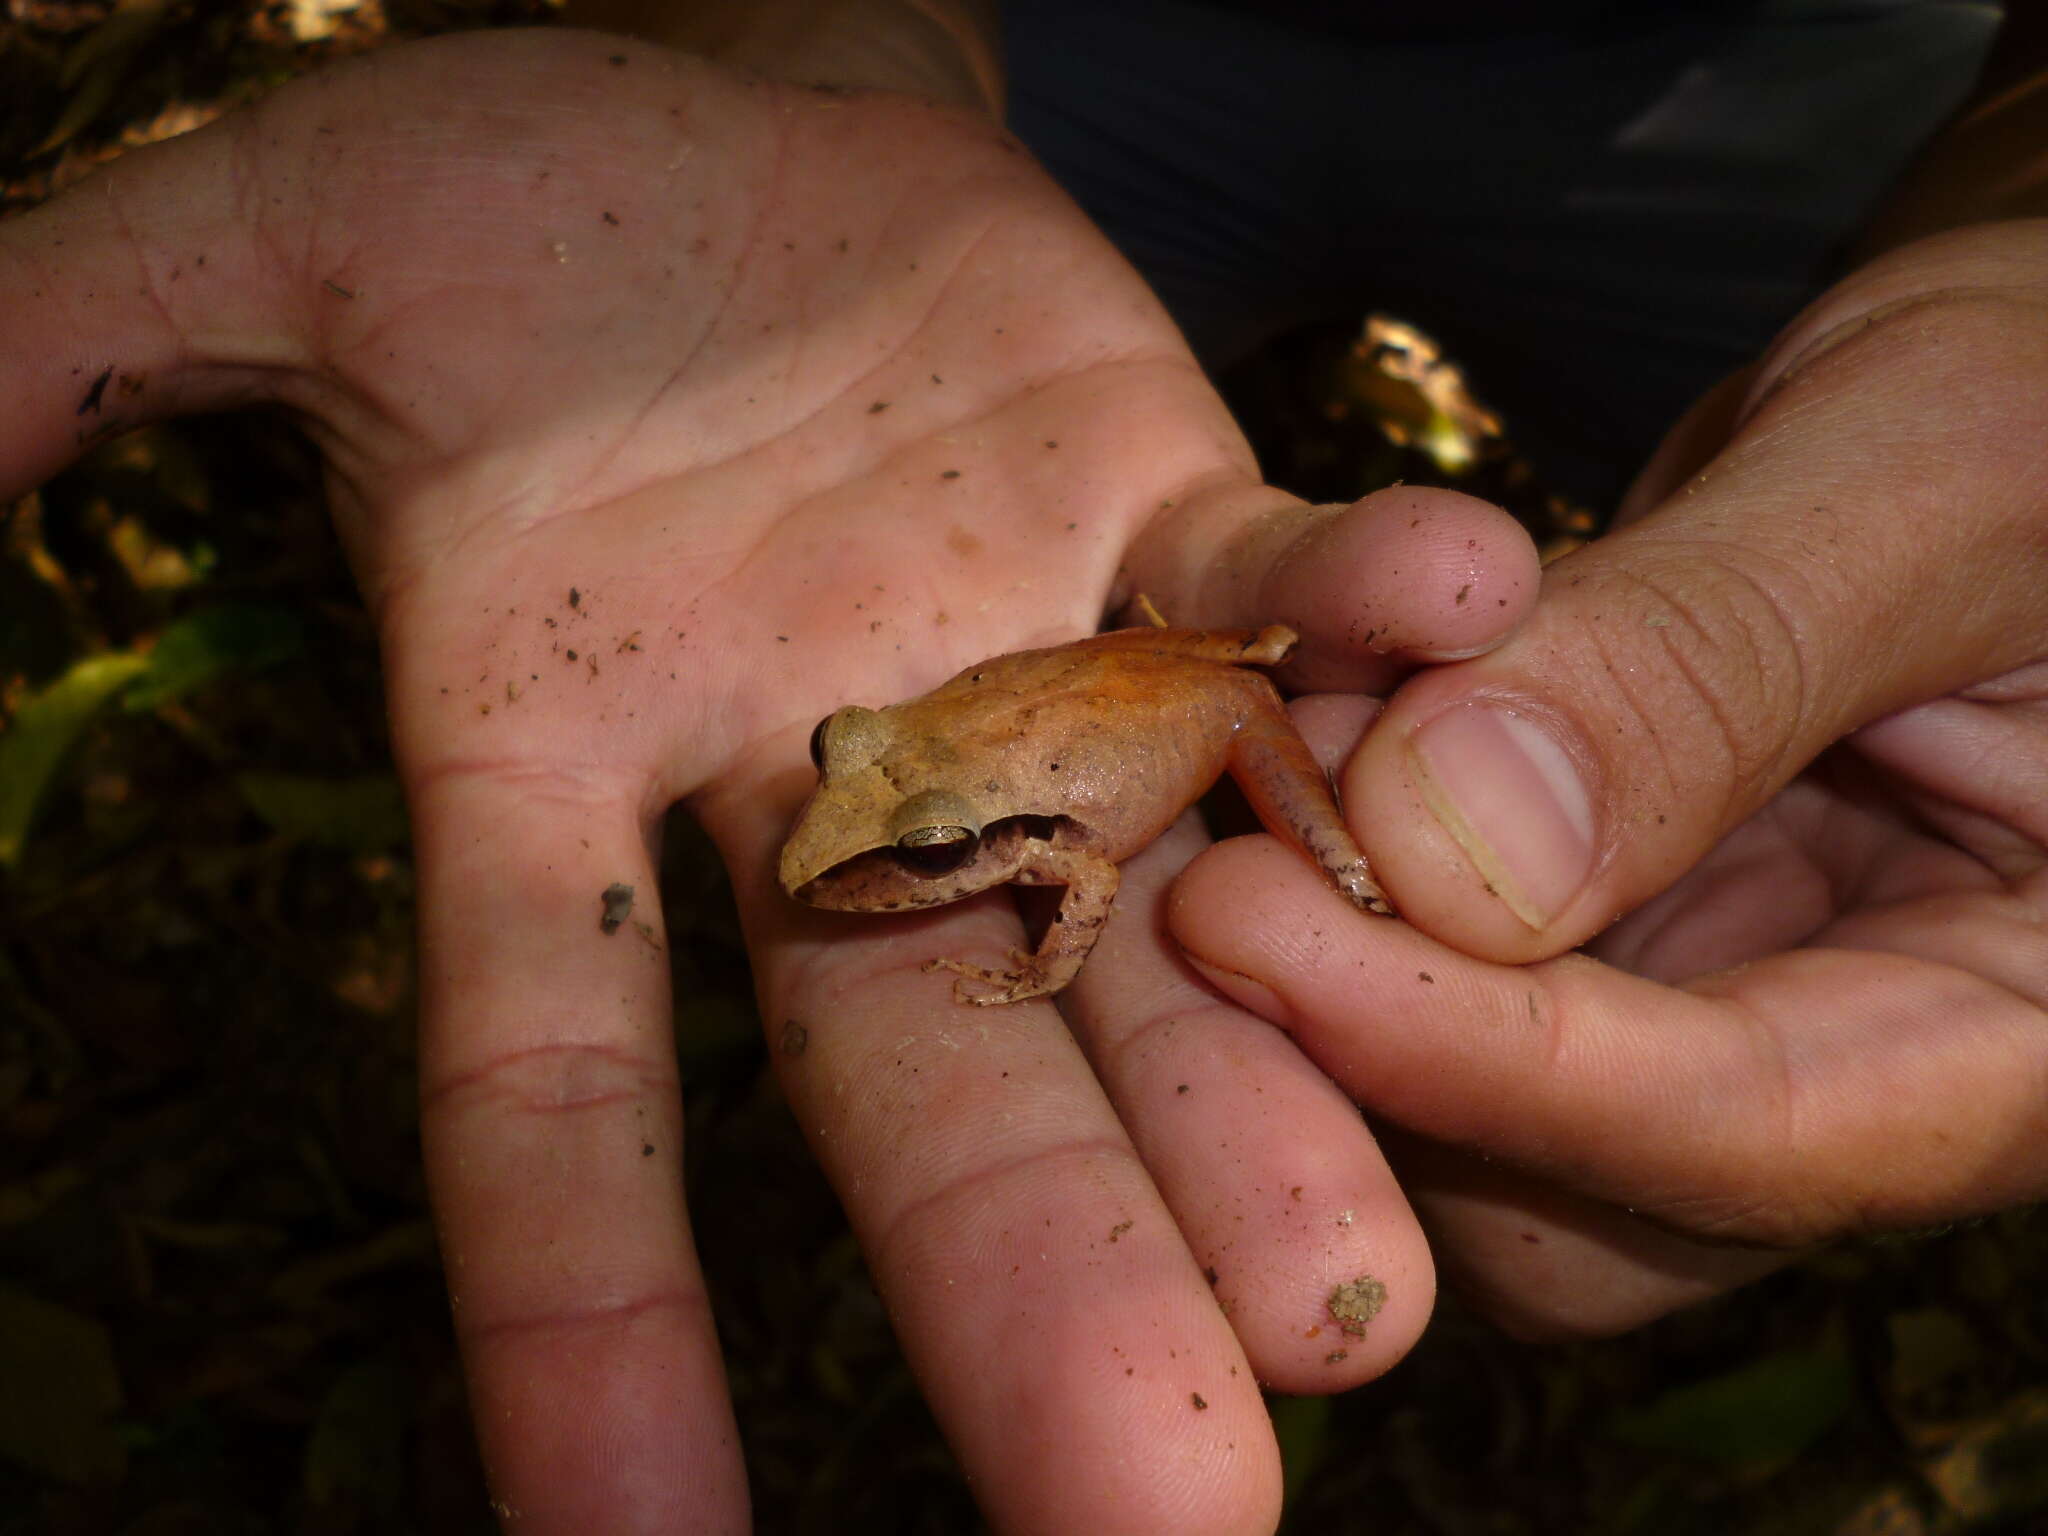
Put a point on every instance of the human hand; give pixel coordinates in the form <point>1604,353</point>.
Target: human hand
<point>1791,726</point>
<point>664,411</point>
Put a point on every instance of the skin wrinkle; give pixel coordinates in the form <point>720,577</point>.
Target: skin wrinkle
<point>654,1080</point>
<point>1221,589</point>
<point>892,355</point>
<point>1820,1210</point>
<point>727,290</point>
<point>1054,377</point>
<point>1573,1031</point>
<point>569,504</point>
<point>1775,377</point>
<point>770,551</point>
<point>1789,843</point>
<point>1091,1154</point>
<point>583,788</point>
<point>1163,1023</point>
<point>1767,1046</point>
<point>1752,771</point>
<point>689,1302</point>
<point>149,286</point>
<point>249,137</point>
<point>1719,1222</point>
<point>2027,1002</point>
<point>1922,360</point>
<point>317,400</point>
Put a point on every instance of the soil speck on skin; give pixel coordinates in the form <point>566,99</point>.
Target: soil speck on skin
<point>618,906</point>
<point>91,402</point>
<point>1200,1402</point>
<point>1357,1302</point>
<point>796,1039</point>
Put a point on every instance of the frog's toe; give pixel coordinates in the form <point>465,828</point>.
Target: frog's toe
<point>1356,882</point>
<point>1003,986</point>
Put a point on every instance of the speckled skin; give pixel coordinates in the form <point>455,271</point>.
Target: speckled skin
<point>1048,768</point>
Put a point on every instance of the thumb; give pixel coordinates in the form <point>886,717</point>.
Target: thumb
<point>140,294</point>
<point>1871,537</point>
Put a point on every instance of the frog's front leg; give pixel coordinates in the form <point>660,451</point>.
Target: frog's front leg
<point>1091,882</point>
<point>1290,793</point>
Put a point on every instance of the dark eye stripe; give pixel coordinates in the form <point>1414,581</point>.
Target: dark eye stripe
<point>818,743</point>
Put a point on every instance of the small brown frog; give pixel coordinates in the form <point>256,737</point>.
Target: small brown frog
<point>1047,768</point>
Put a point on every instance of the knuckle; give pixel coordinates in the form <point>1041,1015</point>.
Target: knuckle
<point>549,1080</point>
<point>1726,676</point>
<point>1950,357</point>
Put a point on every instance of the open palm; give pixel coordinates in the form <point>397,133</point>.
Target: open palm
<point>664,411</point>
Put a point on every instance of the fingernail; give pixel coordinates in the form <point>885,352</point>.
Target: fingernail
<point>1509,793</point>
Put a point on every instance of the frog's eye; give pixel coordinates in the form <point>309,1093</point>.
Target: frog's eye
<point>936,850</point>
<point>818,744</point>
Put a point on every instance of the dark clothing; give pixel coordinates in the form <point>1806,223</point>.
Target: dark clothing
<point>1600,208</point>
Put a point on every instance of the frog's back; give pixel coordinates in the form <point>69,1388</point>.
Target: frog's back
<point>1119,742</point>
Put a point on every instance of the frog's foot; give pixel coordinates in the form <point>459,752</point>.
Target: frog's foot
<point>1029,979</point>
<point>1349,872</point>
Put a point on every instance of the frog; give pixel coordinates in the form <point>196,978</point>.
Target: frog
<point>1051,767</point>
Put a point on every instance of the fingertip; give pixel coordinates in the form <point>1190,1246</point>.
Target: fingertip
<point>1406,574</point>
<point>1410,572</point>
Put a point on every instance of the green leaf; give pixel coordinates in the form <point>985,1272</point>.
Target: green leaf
<point>203,645</point>
<point>362,815</point>
<point>197,648</point>
<point>59,1392</point>
<point>1768,1410</point>
<point>43,731</point>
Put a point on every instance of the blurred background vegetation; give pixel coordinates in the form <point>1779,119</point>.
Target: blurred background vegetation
<point>220,1303</point>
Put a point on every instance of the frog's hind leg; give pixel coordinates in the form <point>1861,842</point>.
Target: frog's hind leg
<point>1291,794</point>
<point>1266,647</point>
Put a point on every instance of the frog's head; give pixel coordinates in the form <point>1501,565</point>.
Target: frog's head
<point>864,844</point>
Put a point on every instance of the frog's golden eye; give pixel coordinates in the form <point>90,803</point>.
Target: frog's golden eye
<point>936,850</point>
<point>818,744</point>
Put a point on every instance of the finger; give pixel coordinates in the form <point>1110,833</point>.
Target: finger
<point>1870,540</point>
<point>551,1121</point>
<point>1979,768</point>
<point>133,297</point>
<point>1537,1261</point>
<point>1066,1339</point>
<point>1273,1178</point>
<point>1408,572</point>
<point>1543,1263</point>
<point>1815,1093</point>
